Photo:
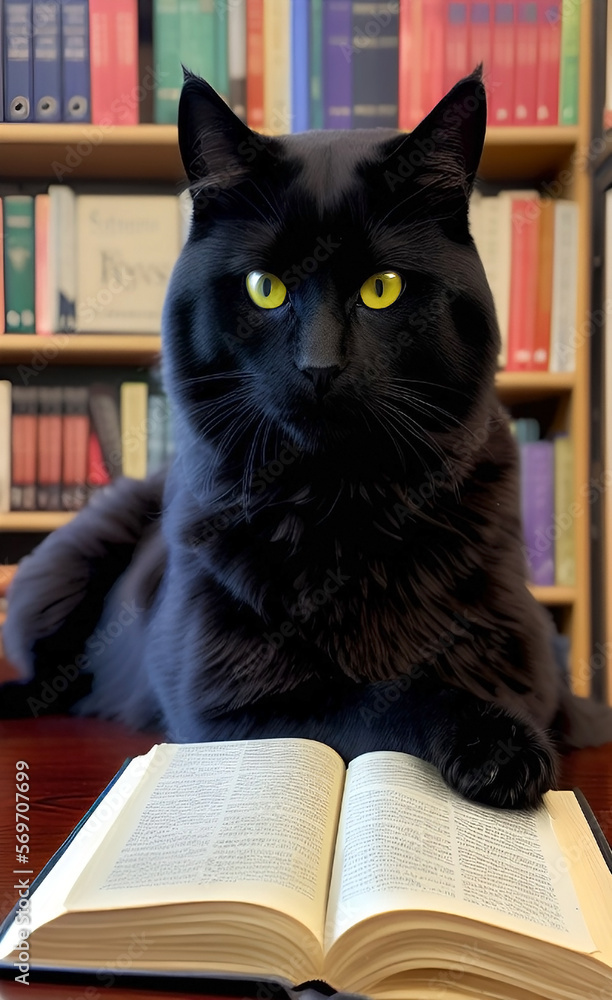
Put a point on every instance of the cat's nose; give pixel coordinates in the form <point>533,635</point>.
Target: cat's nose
<point>322,378</point>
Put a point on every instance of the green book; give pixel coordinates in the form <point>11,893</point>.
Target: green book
<point>570,62</point>
<point>316,63</point>
<point>565,542</point>
<point>167,61</point>
<point>19,263</point>
<point>198,38</point>
<point>221,79</point>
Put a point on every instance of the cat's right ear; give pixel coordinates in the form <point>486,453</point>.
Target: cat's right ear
<point>217,148</point>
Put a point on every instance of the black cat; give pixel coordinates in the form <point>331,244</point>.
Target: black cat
<point>340,554</point>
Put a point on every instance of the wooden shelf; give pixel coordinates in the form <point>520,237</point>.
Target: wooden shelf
<point>35,520</point>
<point>554,596</point>
<point>150,152</point>
<point>516,387</point>
<point>78,348</point>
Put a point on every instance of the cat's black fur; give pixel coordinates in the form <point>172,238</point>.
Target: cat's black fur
<point>342,553</point>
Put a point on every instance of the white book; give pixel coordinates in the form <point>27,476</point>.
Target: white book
<point>128,245</point>
<point>564,289</point>
<point>62,275</point>
<point>277,71</point>
<point>236,56</point>
<point>5,446</point>
<point>493,238</point>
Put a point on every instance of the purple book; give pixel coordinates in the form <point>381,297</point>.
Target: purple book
<point>337,63</point>
<point>538,510</point>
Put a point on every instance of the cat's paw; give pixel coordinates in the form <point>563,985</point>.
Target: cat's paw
<point>499,759</point>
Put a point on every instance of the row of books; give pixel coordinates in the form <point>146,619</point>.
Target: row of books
<point>59,443</point>
<point>529,248</point>
<point>291,65</point>
<point>88,262</point>
<point>548,504</point>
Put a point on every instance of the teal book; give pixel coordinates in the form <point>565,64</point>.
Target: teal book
<point>221,78</point>
<point>198,38</point>
<point>19,263</point>
<point>167,61</point>
<point>570,62</point>
<point>316,63</point>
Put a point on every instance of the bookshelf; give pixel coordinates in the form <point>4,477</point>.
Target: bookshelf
<point>149,152</point>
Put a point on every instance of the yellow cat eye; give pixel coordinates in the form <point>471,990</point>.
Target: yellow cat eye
<point>381,289</point>
<point>265,289</point>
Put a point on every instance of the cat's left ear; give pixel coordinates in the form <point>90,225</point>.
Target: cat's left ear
<point>217,148</point>
<point>445,148</point>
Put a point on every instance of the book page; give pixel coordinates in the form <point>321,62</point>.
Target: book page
<point>406,841</point>
<point>247,821</point>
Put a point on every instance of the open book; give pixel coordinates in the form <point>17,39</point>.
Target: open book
<point>270,858</point>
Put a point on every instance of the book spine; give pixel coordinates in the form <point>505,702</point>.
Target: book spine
<point>316,64</point>
<point>565,551</point>
<point>97,472</point>
<point>502,68</point>
<point>197,37</point>
<point>570,51</point>
<point>17,59</point>
<point>549,56</point>
<point>166,60</point>
<point>23,447</point>
<point>255,64</point>
<point>75,447</point>
<point>101,43</point>
<point>46,51</point>
<point>480,40</point>
<point>456,43</point>
<point>62,258</point>
<point>337,63</point>
<point>19,263</point>
<point>49,448</point>
<point>221,49</point>
<point>537,505</point>
<point>134,429</point>
<point>5,445</point>
<point>277,71</point>
<point>526,79</point>
<point>541,343</point>
<point>237,45</point>
<point>375,65</point>
<point>157,421</point>
<point>75,60</point>
<point>300,65</point>
<point>523,283</point>
<point>2,266</point>
<point>565,278</point>
<point>106,424</point>
<point>124,107</point>
<point>42,289</point>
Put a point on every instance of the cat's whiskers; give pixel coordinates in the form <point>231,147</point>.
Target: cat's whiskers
<point>410,424</point>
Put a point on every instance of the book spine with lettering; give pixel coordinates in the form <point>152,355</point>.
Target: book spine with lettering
<point>564,288</point>
<point>315,48</point>
<point>375,67</point>
<point>49,448</point>
<point>197,37</point>
<point>538,510</point>
<point>75,61</point>
<point>255,64</point>
<point>23,447</point>
<point>46,52</point>
<point>337,63</point>
<point>106,424</point>
<point>125,104</point>
<point>570,52</point>
<point>300,65</point>
<point>523,283</point>
<point>501,91</point>
<point>541,343</point>
<point>237,56</point>
<point>480,39</point>
<point>19,263</point>
<point>277,70</point>
<point>42,287</point>
<point>456,43</point>
<point>221,84</point>
<point>133,409</point>
<point>75,447</point>
<point>549,56</point>
<point>62,258</point>
<point>565,538</point>
<point>5,445</point>
<point>526,77</point>
<point>17,61</point>
<point>166,61</point>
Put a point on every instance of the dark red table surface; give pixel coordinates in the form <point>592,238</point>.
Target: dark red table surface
<point>72,760</point>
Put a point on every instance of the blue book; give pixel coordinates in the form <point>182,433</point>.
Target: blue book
<point>375,61</point>
<point>47,62</point>
<point>337,63</point>
<point>18,61</point>
<point>300,64</point>
<point>75,61</point>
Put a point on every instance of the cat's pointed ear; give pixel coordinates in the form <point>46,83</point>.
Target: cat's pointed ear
<point>217,148</point>
<point>447,145</point>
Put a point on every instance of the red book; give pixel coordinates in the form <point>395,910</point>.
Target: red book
<point>113,43</point>
<point>411,106</point>
<point>480,36</point>
<point>526,76</point>
<point>23,447</point>
<point>42,289</point>
<point>97,473</point>
<point>456,43</point>
<point>255,64</point>
<point>546,254</point>
<point>75,447</point>
<point>501,88</point>
<point>101,61</point>
<point>549,62</point>
<point>49,466</point>
<point>430,55</point>
<point>526,214</point>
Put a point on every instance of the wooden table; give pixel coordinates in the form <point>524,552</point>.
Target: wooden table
<point>72,760</point>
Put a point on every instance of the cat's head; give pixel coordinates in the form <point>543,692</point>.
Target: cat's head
<point>329,292</point>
